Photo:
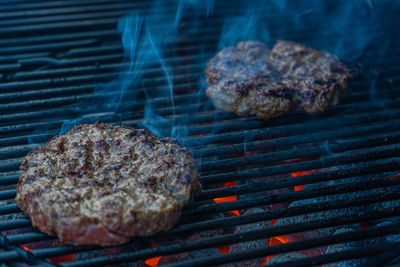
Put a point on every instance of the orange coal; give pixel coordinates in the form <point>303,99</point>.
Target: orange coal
<point>276,240</point>
<point>299,173</point>
<point>59,259</point>
<point>152,262</point>
<point>229,198</point>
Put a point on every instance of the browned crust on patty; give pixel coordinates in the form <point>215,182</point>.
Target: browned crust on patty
<point>318,78</point>
<point>240,80</point>
<point>102,185</point>
<point>250,79</point>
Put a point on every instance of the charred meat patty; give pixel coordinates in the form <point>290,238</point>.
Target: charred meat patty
<point>251,79</point>
<point>102,185</point>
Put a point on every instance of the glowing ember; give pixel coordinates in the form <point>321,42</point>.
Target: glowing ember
<point>295,174</point>
<point>300,173</point>
<point>298,188</point>
<point>59,259</point>
<point>224,249</point>
<point>276,240</point>
<point>152,262</point>
<point>229,198</point>
<point>274,221</point>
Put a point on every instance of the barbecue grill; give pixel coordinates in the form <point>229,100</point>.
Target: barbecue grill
<point>291,191</point>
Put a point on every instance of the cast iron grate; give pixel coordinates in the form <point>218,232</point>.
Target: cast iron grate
<point>298,183</point>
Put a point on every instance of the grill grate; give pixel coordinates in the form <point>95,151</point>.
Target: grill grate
<point>54,55</point>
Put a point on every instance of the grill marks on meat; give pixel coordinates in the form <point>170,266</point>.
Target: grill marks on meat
<point>103,185</point>
<point>241,80</point>
<point>252,79</point>
<point>318,79</point>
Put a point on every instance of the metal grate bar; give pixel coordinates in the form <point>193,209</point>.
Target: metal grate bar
<point>54,51</point>
<point>360,152</point>
<point>297,245</point>
<point>338,256</point>
<point>291,196</point>
<point>258,234</point>
<point>229,222</point>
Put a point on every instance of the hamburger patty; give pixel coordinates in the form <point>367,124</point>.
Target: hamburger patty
<point>252,79</point>
<point>103,185</point>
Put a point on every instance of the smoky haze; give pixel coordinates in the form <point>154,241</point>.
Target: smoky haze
<point>151,80</point>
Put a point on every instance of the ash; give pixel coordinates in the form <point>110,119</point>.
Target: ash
<point>208,252</point>
<point>259,243</point>
<point>344,247</point>
<point>287,257</point>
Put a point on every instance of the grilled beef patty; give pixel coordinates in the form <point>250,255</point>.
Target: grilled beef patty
<point>252,79</point>
<point>103,185</point>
